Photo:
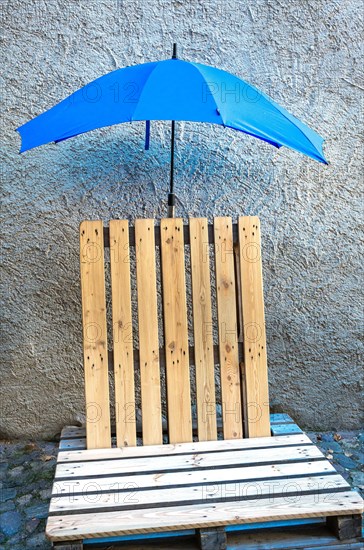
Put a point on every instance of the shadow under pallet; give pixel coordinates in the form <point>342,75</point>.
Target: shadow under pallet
<point>266,493</point>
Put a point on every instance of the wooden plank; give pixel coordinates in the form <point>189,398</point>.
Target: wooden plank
<point>70,432</point>
<point>345,527</point>
<point>148,333</point>
<point>255,354</point>
<point>228,337</point>
<point>280,418</point>
<point>202,325</point>
<point>300,537</point>
<point>175,331</point>
<point>284,429</point>
<point>73,444</point>
<point>72,545</point>
<point>122,333</point>
<point>192,461</point>
<point>76,526</point>
<point>191,478</point>
<point>94,335</point>
<point>212,539</point>
<point>132,497</point>
<point>157,235</point>
<point>184,448</point>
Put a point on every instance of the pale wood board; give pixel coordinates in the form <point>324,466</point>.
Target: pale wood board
<point>113,523</point>
<point>255,347</point>
<point>227,322</point>
<point>184,448</point>
<point>122,333</point>
<point>175,331</point>
<point>134,497</point>
<point>202,326</point>
<point>193,477</point>
<point>170,463</point>
<point>73,444</point>
<point>95,335</point>
<point>69,432</point>
<point>148,332</point>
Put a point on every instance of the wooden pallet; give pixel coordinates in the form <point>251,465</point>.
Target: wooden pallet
<point>215,475</point>
<point>190,489</point>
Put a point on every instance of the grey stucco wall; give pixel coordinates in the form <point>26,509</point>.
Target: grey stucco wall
<point>306,55</point>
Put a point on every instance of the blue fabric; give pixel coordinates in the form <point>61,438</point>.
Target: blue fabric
<point>172,90</point>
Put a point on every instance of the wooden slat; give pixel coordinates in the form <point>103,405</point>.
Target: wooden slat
<point>185,448</point>
<point>280,418</point>
<point>276,420</point>
<point>228,338</point>
<point>133,497</point>
<point>157,236</point>
<point>69,432</point>
<point>122,333</point>
<point>284,429</point>
<point>78,443</point>
<point>193,477</point>
<point>202,325</point>
<point>255,354</point>
<point>148,333</point>
<point>175,330</point>
<point>115,523</point>
<point>95,335</point>
<point>181,462</point>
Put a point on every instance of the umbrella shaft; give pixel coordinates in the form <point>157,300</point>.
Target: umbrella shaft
<point>171,185</point>
<point>171,197</point>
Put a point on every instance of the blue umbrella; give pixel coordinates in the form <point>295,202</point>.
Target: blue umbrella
<point>172,90</point>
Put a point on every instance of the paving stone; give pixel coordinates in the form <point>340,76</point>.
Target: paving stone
<point>25,499</point>
<point>327,437</point>
<point>38,541</point>
<point>7,506</point>
<point>31,525</point>
<point>39,511</point>
<point>357,479</point>
<point>344,461</point>
<point>45,493</point>
<point>325,446</point>
<point>7,494</point>
<point>10,523</point>
<point>16,472</point>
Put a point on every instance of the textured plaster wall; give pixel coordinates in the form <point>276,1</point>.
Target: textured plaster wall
<point>306,55</point>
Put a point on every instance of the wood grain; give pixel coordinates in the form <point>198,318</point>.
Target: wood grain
<point>122,333</point>
<point>95,335</point>
<point>202,325</point>
<point>113,523</point>
<point>218,475</point>
<point>228,337</point>
<point>175,331</point>
<point>194,461</point>
<point>148,333</point>
<point>255,348</point>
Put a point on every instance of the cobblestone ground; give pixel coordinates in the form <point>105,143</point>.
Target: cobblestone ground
<point>27,469</point>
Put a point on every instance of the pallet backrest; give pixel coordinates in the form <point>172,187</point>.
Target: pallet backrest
<point>227,305</point>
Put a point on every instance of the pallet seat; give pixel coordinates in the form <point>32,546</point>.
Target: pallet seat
<point>179,441</point>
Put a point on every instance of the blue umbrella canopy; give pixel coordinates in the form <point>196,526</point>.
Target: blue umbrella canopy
<point>172,90</point>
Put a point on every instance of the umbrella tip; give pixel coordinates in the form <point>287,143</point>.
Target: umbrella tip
<point>174,54</point>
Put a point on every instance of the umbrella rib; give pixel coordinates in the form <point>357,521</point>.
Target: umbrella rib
<point>277,108</point>
<point>212,95</point>
<point>146,80</point>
